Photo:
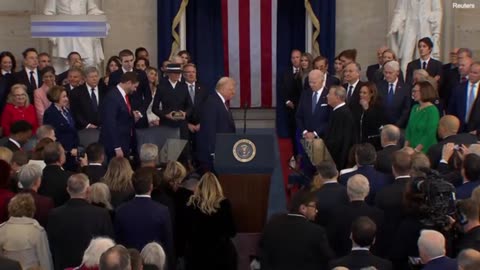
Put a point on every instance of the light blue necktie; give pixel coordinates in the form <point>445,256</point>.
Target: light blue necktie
<point>470,101</point>
<point>314,101</point>
<point>390,95</point>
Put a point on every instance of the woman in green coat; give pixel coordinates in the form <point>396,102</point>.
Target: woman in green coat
<point>423,122</point>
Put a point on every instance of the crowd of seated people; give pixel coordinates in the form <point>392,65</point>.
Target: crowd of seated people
<point>112,207</point>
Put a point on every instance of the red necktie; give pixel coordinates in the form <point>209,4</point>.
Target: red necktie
<point>127,100</point>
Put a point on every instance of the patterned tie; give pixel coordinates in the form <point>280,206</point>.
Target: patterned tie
<point>66,115</point>
<point>314,101</point>
<point>191,91</point>
<point>94,100</point>
<point>470,101</point>
<point>33,82</point>
<point>424,65</point>
<point>390,95</point>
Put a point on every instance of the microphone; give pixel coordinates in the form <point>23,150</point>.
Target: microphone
<point>245,106</point>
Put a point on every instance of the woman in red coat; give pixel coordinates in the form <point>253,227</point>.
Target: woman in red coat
<point>18,108</point>
<point>5,193</point>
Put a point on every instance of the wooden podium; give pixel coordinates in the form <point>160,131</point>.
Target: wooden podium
<point>244,164</point>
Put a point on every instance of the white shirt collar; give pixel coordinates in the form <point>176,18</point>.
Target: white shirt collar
<point>402,177</point>
<point>221,97</point>
<point>354,85</point>
<point>15,142</point>
<point>29,70</point>
<point>361,248</point>
<point>188,84</point>
<point>296,215</point>
<point>143,196</point>
<point>95,164</point>
<point>121,91</point>
<point>339,105</point>
<point>426,61</point>
<point>173,84</point>
<point>333,181</point>
<point>125,71</point>
<point>5,72</point>
<point>89,87</point>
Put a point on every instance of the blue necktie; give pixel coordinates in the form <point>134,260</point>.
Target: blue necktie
<point>314,101</point>
<point>390,95</point>
<point>470,101</point>
<point>66,115</point>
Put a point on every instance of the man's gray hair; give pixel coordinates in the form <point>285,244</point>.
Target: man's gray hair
<point>465,50</point>
<point>469,259</point>
<point>77,184</point>
<point>153,253</point>
<point>149,152</point>
<point>28,174</point>
<point>339,91</point>
<point>357,65</point>
<point>44,131</point>
<point>358,187</point>
<point>431,243</point>
<point>391,133</point>
<point>91,69</point>
<point>115,258</point>
<point>97,246</point>
<point>393,65</point>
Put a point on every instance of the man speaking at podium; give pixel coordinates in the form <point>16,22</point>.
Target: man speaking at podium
<point>216,117</point>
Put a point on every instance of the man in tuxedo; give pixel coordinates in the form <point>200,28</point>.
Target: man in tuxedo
<point>20,133</point>
<point>321,63</point>
<point>29,75</point>
<point>142,220</point>
<point>291,95</point>
<point>331,194</point>
<point>339,137</point>
<point>54,177</point>
<point>448,127</point>
<point>363,231</point>
<point>389,137</point>
<point>373,68</point>
<point>351,74</point>
<point>463,102</point>
<point>343,216</point>
<point>74,61</point>
<point>365,157</point>
<point>86,100</point>
<point>394,95</point>
<point>390,199</point>
<point>118,118</point>
<point>291,241</point>
<point>431,247</point>
<point>96,156</point>
<point>216,118</point>
<point>30,176</point>
<point>432,66</point>
<point>470,226</point>
<point>72,225</point>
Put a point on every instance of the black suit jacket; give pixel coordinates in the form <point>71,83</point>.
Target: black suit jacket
<point>54,184</point>
<point>329,196</point>
<point>470,239</point>
<point>82,108</point>
<point>450,80</point>
<point>201,95</point>
<point>434,68</point>
<point>291,87</point>
<point>353,102</point>
<point>384,158</point>
<point>340,224</point>
<point>358,259</point>
<point>94,173</point>
<point>371,71</point>
<point>4,90</point>
<point>398,112</point>
<point>71,227</point>
<point>10,145</point>
<point>65,132</point>
<point>7,264</point>
<point>340,135</point>
<point>62,77</point>
<point>293,242</point>
<point>24,78</point>
<point>435,151</point>
<point>317,121</point>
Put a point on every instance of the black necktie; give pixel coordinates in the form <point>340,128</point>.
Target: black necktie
<point>94,100</point>
<point>424,65</point>
<point>33,82</point>
<point>350,91</point>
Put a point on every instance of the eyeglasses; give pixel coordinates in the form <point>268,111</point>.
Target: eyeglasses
<point>312,205</point>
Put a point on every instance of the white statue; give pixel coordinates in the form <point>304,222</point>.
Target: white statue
<point>89,48</point>
<point>413,20</point>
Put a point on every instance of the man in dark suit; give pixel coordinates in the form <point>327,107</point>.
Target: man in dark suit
<point>142,220</point>
<point>450,77</point>
<point>343,216</point>
<point>20,133</point>
<point>86,99</point>
<point>374,68</point>
<point>4,90</point>
<point>74,61</point>
<point>291,95</point>
<point>432,66</point>
<point>365,157</point>
<point>118,118</point>
<point>468,210</point>
<point>7,264</point>
<point>216,118</point>
<point>29,75</point>
<point>471,176</point>
<point>463,102</point>
<point>389,137</point>
<point>54,178</point>
<point>291,241</point>
<point>331,194</point>
<point>351,74</point>
<point>395,97</point>
<point>390,199</point>
<point>75,78</point>
<point>339,137</point>
<point>71,226</point>
<point>95,170</point>
<point>431,247</point>
<point>448,127</point>
<point>321,63</point>
<point>363,237</point>
<point>30,176</point>
<point>468,259</point>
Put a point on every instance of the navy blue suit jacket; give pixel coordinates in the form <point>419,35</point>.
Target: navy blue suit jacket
<point>318,121</point>
<point>376,179</point>
<point>464,191</point>
<point>65,132</point>
<point>141,221</point>
<point>214,119</point>
<point>117,123</point>
<point>442,263</point>
<point>399,110</point>
<point>458,102</point>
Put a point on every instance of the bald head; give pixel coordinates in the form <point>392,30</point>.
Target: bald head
<point>448,125</point>
<point>358,187</point>
<point>431,244</point>
<point>315,79</point>
<point>468,259</point>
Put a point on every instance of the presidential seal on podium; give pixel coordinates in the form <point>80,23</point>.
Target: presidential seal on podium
<point>244,150</point>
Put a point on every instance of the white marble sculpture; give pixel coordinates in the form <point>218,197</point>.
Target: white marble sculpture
<point>89,48</point>
<point>413,20</point>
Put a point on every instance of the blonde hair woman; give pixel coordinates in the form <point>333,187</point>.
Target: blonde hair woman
<point>99,195</point>
<point>174,174</point>
<point>18,108</point>
<point>209,244</point>
<point>118,178</point>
